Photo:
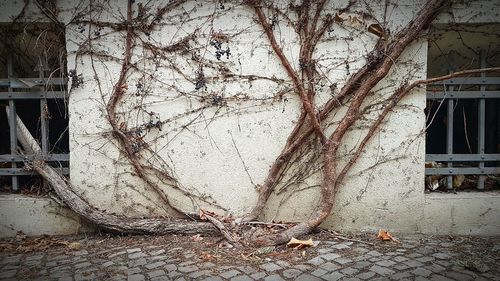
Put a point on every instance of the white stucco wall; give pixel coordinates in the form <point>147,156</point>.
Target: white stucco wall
<point>383,190</point>
<point>204,157</point>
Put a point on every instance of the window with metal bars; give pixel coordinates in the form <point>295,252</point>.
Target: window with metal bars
<point>32,88</point>
<point>463,113</point>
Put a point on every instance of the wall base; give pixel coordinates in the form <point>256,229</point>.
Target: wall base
<point>465,213</point>
<point>37,216</point>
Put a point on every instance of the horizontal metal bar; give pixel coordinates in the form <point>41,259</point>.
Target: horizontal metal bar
<point>22,158</point>
<point>31,82</point>
<point>464,95</point>
<point>23,172</point>
<point>462,157</point>
<point>469,81</point>
<point>462,171</point>
<point>33,95</point>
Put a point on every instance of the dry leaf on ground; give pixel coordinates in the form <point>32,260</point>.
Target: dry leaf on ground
<point>299,244</point>
<point>385,235</point>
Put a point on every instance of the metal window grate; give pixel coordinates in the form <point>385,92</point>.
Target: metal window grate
<point>449,96</point>
<point>13,89</point>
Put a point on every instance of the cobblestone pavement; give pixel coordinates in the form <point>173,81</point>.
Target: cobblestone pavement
<point>140,258</point>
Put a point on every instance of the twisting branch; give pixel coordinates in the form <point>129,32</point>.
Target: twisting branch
<point>299,87</point>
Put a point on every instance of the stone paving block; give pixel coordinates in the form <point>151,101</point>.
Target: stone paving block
<point>422,272</point>
<point>242,278</point>
<point>133,250</point>
<point>318,272</point>
<point>343,261</point>
<point>136,255</point>
<point>399,259</point>
<point>360,250</point>
<point>155,265</point>
<point>117,254</point>
<point>170,267</point>
<point>324,250</point>
<point>207,264</point>
<point>329,257</point>
<point>436,268</point>
<point>283,264</point>
<point>258,275</point>
<point>189,268</point>
<point>307,277</point>
<point>373,253</point>
<point>246,269</point>
<point>421,278</point>
<point>349,271</point>
<point>443,263</point>
<point>361,264</point>
<point>291,273</point>
<point>108,263</point>
<point>159,278</point>
<point>381,270</point>
<point>213,278</point>
<point>65,278</point>
<point>351,279</point>
<point>442,256</point>
<point>274,277</point>
<point>413,263</point>
<point>132,271</point>
<point>159,257</point>
<point>385,263</point>
<point>270,267</point>
<point>188,262</point>
<point>316,261</point>
<point>457,275</point>
<point>157,252</point>
<point>137,262</point>
<point>199,273</point>
<point>328,266</point>
<point>334,276</point>
<point>425,259</point>
<point>400,266</point>
<point>302,267</point>
<point>230,273</point>
<point>82,265</point>
<point>173,274</point>
<point>156,273</point>
<point>401,275</point>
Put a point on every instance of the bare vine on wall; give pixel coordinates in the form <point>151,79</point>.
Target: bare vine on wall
<point>204,61</point>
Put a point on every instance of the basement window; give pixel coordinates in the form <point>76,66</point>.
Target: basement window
<point>33,87</point>
<point>463,113</point>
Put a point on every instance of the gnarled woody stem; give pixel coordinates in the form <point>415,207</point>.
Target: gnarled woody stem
<point>381,67</point>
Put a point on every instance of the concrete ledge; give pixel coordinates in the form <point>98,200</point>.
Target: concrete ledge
<point>464,213</point>
<point>37,216</point>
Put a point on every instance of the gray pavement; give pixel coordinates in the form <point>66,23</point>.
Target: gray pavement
<point>417,258</point>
